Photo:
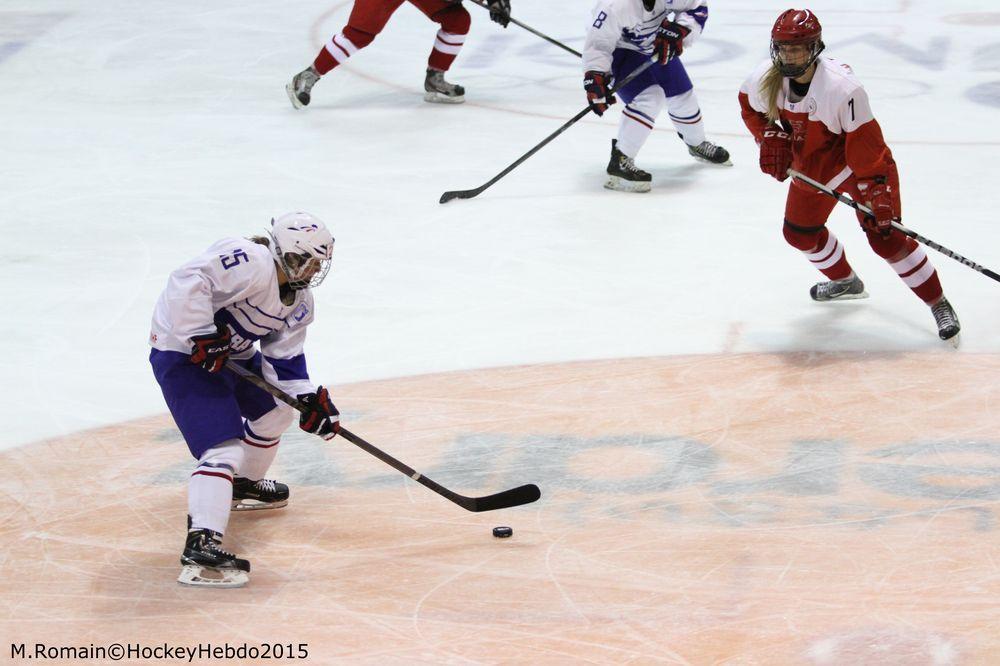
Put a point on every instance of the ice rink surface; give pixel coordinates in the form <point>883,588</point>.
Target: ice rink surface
<point>730,472</point>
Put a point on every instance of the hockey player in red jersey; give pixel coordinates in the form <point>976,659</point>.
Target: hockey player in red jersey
<point>810,113</point>
<point>368,18</point>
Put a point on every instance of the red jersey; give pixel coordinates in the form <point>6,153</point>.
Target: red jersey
<point>834,133</point>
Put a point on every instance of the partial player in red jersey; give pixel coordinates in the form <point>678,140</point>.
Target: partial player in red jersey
<point>367,19</point>
<point>810,113</point>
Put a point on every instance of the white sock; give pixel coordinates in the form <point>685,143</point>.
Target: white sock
<point>685,114</point>
<point>638,119</point>
<point>210,488</point>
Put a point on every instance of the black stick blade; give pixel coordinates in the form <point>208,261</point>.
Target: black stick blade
<point>508,498</point>
<point>459,194</point>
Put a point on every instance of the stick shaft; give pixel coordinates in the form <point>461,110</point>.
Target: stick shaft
<point>906,231</point>
<point>468,194</point>
<point>508,498</point>
<point>533,31</point>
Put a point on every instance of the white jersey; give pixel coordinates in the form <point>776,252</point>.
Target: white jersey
<point>625,24</point>
<point>234,283</point>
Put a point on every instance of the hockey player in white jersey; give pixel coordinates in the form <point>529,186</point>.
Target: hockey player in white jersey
<point>215,307</point>
<point>623,35</point>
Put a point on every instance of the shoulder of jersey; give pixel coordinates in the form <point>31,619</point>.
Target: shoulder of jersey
<point>762,68</point>
<point>840,75</point>
<point>618,7</point>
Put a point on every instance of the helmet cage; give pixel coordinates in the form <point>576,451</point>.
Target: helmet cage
<point>302,270</point>
<point>816,47</point>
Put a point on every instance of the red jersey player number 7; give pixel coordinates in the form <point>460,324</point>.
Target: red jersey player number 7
<point>809,112</point>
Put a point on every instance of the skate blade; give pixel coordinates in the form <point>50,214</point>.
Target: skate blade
<point>197,576</point>
<point>290,89</point>
<point>727,163</point>
<point>438,98</point>
<point>254,505</point>
<point>621,185</point>
<point>954,341</point>
<point>845,297</point>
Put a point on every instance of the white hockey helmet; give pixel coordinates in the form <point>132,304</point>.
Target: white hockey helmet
<point>303,247</point>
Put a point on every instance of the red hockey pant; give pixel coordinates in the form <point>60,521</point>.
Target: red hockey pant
<point>368,17</point>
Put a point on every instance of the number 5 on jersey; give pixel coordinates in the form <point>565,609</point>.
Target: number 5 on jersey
<point>234,259</point>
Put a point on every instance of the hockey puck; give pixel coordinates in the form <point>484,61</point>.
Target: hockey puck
<point>502,532</point>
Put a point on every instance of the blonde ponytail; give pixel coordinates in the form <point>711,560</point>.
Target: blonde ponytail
<point>770,86</point>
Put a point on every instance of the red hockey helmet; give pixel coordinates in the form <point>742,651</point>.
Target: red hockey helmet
<point>798,27</point>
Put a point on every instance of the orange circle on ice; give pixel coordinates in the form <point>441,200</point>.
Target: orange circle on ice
<point>785,508</point>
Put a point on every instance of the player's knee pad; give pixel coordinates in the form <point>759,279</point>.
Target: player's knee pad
<point>889,246</point>
<point>454,19</point>
<point>270,426</point>
<point>683,105</point>
<point>648,103</point>
<point>359,38</point>
<point>804,238</point>
<point>225,458</point>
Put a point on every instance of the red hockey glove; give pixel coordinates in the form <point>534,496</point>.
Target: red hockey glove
<point>596,85</point>
<point>669,42</point>
<point>876,193</point>
<point>210,351</point>
<point>776,153</point>
<point>499,11</point>
<point>320,416</point>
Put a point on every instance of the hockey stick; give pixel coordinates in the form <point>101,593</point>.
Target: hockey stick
<point>895,225</point>
<point>532,30</point>
<point>503,500</point>
<point>468,194</point>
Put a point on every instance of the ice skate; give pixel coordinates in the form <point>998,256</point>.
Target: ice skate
<point>300,87</point>
<point>947,321</point>
<point>623,175</point>
<point>706,151</point>
<point>839,290</point>
<point>255,495</point>
<point>439,91</point>
<point>206,564</point>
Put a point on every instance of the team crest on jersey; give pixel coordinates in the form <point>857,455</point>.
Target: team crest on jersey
<point>300,312</point>
<point>811,105</point>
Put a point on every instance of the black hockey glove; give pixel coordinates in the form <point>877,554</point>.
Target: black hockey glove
<point>320,416</point>
<point>499,11</point>
<point>210,351</point>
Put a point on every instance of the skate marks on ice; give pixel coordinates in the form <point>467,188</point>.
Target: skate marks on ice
<point>788,508</point>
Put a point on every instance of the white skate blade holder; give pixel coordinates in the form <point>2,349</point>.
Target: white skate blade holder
<point>198,576</point>
<point>290,89</point>
<point>441,98</point>
<point>623,185</point>
<point>255,505</point>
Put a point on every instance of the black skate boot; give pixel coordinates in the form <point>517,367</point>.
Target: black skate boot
<point>264,494</point>
<point>706,151</point>
<point>204,563</point>
<point>623,175</point>
<point>839,290</point>
<point>947,321</point>
<point>439,91</point>
<point>300,87</point>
